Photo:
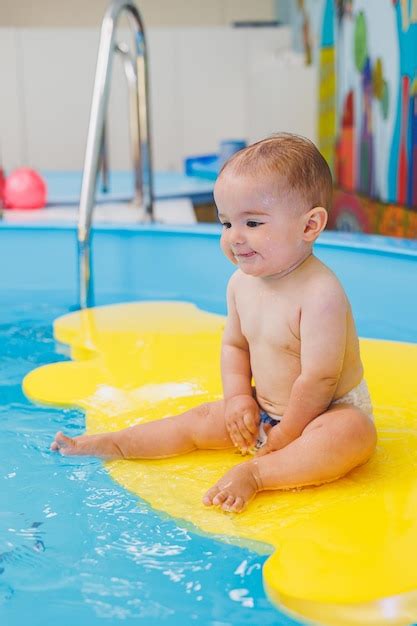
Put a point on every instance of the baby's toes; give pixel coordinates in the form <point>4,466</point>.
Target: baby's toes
<point>63,443</point>
<point>228,504</point>
<point>220,498</point>
<point>238,505</point>
<point>210,495</point>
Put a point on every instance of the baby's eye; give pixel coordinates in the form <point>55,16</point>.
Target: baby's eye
<point>226,224</point>
<point>253,224</point>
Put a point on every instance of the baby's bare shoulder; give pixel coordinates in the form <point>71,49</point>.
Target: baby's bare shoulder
<point>323,287</point>
<point>237,282</point>
<point>234,277</point>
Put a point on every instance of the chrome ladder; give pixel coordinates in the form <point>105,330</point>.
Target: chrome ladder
<point>136,70</point>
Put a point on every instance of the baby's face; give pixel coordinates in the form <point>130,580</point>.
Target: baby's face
<point>261,233</point>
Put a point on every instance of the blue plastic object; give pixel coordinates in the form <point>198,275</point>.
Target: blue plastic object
<point>228,147</point>
<point>204,166</point>
<point>209,165</point>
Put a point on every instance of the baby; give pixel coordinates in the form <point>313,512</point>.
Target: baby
<point>292,375</point>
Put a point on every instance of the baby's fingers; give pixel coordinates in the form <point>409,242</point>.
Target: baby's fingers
<point>247,435</point>
<point>236,436</point>
<point>251,422</point>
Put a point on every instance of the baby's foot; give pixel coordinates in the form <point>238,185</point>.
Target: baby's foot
<point>235,490</point>
<point>87,445</point>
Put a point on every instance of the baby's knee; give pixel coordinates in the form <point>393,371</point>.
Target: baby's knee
<point>364,432</point>
<point>202,411</point>
<point>196,423</point>
<point>208,427</point>
<point>209,412</point>
<point>371,435</point>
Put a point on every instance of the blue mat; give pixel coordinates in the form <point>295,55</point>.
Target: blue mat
<point>65,187</point>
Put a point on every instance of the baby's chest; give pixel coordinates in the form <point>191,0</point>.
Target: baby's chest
<point>274,323</point>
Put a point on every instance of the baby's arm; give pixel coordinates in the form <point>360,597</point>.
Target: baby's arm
<point>242,412</point>
<point>323,329</point>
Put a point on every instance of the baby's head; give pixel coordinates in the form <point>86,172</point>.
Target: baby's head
<point>272,199</point>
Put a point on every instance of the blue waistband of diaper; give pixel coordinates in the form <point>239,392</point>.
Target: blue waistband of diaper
<point>267,419</point>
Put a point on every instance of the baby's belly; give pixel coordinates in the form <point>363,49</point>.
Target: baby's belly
<point>274,409</point>
<point>274,382</point>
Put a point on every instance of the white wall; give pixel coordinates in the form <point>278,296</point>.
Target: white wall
<point>61,13</point>
<point>207,84</point>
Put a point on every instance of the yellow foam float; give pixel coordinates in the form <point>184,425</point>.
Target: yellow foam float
<point>343,553</point>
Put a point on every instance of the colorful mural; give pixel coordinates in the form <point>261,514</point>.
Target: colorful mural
<point>327,87</point>
<point>367,121</point>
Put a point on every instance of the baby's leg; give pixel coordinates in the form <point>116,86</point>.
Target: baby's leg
<point>330,446</point>
<point>202,427</point>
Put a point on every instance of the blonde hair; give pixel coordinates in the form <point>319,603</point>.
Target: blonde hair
<point>299,167</point>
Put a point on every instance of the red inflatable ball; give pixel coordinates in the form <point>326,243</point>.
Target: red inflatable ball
<point>2,182</point>
<point>24,189</point>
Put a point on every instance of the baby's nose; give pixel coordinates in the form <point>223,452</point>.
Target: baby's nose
<point>236,236</point>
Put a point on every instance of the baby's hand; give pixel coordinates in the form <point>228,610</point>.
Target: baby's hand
<point>276,440</point>
<point>242,421</point>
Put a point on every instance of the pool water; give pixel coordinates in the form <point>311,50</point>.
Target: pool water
<point>75,546</point>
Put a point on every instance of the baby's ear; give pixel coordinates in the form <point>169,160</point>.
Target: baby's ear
<point>314,222</point>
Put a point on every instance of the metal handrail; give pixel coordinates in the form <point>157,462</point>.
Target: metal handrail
<point>131,77</point>
<point>134,108</point>
<point>141,138</point>
<point>104,161</point>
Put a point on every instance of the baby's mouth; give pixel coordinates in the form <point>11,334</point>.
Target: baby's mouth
<point>244,255</point>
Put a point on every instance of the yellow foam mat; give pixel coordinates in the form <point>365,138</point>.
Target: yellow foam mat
<point>342,553</point>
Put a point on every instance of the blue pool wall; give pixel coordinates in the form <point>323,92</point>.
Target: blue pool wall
<point>157,262</point>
